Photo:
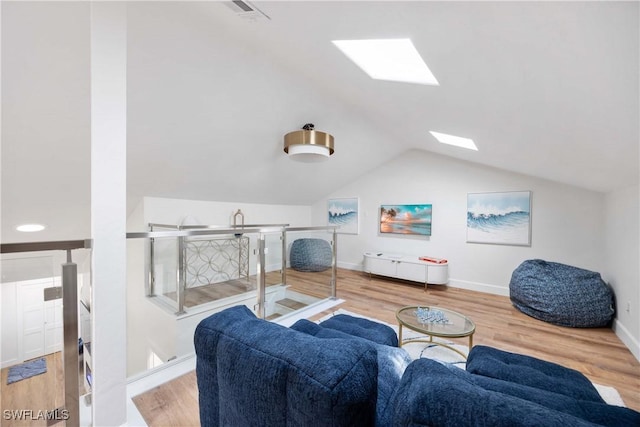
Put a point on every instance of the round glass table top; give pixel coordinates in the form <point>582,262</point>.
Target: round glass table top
<point>436,321</point>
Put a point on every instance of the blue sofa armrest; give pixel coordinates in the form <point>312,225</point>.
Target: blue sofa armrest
<point>532,372</point>
<point>594,412</point>
<point>364,328</point>
<point>252,372</point>
<point>431,394</point>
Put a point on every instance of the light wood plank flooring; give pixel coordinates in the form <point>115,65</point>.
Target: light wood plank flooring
<point>44,392</point>
<point>215,291</point>
<point>598,353</point>
<point>315,284</point>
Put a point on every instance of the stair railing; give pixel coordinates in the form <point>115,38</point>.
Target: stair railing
<point>69,291</point>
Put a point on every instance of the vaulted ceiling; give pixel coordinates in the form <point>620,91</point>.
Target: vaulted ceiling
<point>548,89</point>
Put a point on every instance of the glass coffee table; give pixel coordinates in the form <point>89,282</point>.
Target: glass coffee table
<point>435,322</point>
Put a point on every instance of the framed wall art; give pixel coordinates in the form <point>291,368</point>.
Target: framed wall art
<point>344,213</point>
<point>499,218</point>
<point>412,220</point>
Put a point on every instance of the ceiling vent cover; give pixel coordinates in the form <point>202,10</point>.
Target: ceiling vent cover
<point>246,10</point>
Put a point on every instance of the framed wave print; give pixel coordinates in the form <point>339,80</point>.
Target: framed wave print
<point>344,214</point>
<point>499,218</point>
<point>412,220</point>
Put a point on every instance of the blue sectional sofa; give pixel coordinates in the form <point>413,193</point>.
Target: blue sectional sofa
<point>348,371</point>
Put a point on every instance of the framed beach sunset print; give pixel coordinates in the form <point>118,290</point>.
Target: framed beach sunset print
<point>412,220</point>
<point>499,218</point>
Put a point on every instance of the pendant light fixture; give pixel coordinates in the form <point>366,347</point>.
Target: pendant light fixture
<point>308,145</point>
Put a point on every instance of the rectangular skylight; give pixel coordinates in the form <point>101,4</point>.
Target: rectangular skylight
<point>455,140</point>
<point>388,59</point>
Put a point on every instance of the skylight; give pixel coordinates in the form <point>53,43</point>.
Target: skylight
<point>455,140</point>
<point>388,59</point>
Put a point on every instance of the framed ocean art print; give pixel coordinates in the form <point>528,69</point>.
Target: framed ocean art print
<point>502,218</point>
<point>344,214</point>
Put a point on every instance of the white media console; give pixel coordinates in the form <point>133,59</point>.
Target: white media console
<point>407,267</point>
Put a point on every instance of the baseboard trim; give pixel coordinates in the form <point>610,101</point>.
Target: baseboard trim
<point>147,380</point>
<point>480,287</point>
<point>454,283</point>
<point>627,339</point>
<point>350,266</point>
<point>9,363</point>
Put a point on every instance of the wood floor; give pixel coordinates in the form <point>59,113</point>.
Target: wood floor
<point>597,353</point>
<point>41,393</point>
<point>213,292</point>
<point>316,284</point>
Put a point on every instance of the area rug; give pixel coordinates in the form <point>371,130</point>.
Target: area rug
<point>442,354</point>
<point>26,370</point>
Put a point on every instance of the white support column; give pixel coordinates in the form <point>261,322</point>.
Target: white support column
<point>108,211</point>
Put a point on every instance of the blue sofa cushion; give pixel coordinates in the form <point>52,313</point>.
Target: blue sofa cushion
<point>392,361</point>
<point>561,294</point>
<point>373,331</point>
<point>431,394</point>
<point>252,372</point>
<point>532,372</point>
<point>598,413</point>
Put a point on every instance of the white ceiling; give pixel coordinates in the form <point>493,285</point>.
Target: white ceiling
<point>548,89</point>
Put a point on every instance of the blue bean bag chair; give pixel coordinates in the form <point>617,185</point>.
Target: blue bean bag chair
<point>311,255</point>
<point>561,294</point>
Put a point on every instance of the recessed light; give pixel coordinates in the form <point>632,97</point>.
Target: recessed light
<point>388,59</point>
<point>30,228</point>
<point>455,140</point>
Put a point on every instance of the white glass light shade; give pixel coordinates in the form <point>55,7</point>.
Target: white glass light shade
<point>308,153</point>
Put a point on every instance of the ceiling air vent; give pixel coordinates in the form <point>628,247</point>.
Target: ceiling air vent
<point>246,10</point>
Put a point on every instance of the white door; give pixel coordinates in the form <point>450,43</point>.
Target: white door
<point>53,326</point>
<point>40,322</point>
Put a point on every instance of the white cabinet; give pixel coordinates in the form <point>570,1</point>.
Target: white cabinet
<point>411,271</point>
<point>407,267</point>
<point>381,266</point>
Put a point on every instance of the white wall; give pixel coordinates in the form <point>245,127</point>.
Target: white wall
<point>173,211</point>
<point>149,327</point>
<point>567,222</point>
<point>9,351</point>
<point>108,211</point>
<point>45,120</point>
<point>621,253</point>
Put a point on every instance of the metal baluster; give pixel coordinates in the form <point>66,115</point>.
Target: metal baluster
<point>261,311</point>
<point>70,341</point>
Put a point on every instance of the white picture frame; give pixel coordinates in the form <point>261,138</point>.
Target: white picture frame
<point>500,218</point>
<point>344,213</point>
